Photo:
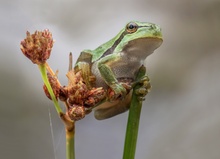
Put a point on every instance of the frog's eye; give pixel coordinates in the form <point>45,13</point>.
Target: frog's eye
<point>131,27</point>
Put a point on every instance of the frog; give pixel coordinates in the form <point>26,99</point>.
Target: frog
<point>118,60</point>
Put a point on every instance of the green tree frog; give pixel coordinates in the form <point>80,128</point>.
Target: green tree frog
<point>119,58</point>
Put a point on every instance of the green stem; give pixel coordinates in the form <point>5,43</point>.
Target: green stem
<point>70,125</point>
<point>133,121</point>
<point>43,72</point>
<point>70,146</point>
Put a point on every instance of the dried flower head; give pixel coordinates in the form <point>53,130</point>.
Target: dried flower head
<point>76,112</point>
<point>77,89</point>
<point>37,47</point>
<point>80,94</point>
<point>63,94</point>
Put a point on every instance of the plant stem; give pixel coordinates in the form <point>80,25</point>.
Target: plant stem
<point>43,71</point>
<point>70,146</point>
<point>69,125</point>
<point>133,121</point>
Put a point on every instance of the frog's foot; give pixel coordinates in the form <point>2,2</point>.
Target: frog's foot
<point>94,97</point>
<point>144,89</point>
<point>117,91</point>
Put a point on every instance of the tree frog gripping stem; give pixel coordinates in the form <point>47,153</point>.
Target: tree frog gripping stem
<point>119,58</point>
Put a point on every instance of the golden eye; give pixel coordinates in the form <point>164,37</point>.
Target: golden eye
<point>131,27</point>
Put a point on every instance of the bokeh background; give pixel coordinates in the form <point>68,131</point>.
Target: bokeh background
<point>180,117</point>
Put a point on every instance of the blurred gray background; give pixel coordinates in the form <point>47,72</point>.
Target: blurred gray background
<point>181,116</point>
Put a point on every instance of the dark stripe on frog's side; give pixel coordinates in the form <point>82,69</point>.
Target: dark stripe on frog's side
<point>111,49</point>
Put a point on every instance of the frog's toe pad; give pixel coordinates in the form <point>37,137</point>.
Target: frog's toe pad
<point>142,91</point>
<point>141,98</point>
<point>143,80</point>
<point>144,88</point>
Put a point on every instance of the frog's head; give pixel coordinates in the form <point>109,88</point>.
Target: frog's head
<point>139,39</point>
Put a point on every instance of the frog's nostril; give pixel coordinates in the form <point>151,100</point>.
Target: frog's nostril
<point>153,26</point>
<point>156,27</point>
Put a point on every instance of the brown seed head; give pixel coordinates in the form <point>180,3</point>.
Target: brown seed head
<point>37,47</point>
<point>63,93</point>
<point>77,89</point>
<point>76,112</point>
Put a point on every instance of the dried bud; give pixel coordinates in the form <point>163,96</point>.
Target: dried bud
<point>76,112</point>
<point>37,47</point>
<point>63,95</point>
<point>54,84</point>
<point>77,89</point>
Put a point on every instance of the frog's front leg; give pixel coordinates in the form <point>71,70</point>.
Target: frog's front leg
<point>104,66</point>
<point>144,89</point>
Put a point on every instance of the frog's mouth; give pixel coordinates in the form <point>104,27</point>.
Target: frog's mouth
<point>143,46</point>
